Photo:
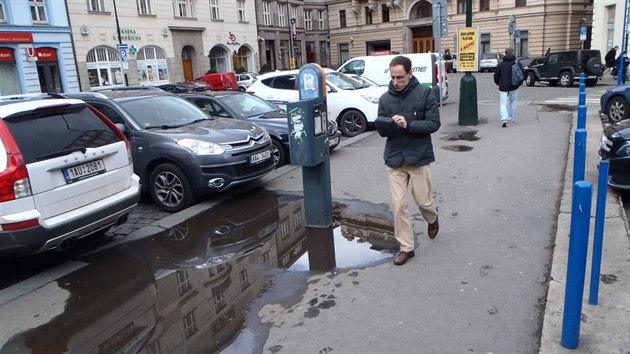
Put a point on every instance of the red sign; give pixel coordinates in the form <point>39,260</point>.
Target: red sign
<point>16,37</point>
<point>7,54</point>
<point>46,54</point>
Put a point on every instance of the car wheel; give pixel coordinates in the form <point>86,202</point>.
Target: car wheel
<point>565,79</point>
<point>352,123</point>
<point>170,188</point>
<point>530,80</point>
<point>617,109</point>
<point>279,155</point>
<point>241,88</point>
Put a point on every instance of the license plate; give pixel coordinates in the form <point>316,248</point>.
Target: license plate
<point>86,170</point>
<point>254,159</point>
<point>333,142</point>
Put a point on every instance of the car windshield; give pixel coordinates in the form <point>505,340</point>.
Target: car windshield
<point>163,111</point>
<point>246,105</point>
<point>343,81</point>
<point>489,56</point>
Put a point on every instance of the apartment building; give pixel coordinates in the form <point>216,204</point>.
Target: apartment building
<point>36,53</point>
<point>365,27</point>
<point>608,19</point>
<point>166,41</point>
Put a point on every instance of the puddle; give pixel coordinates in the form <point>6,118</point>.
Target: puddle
<point>558,108</point>
<point>466,136</point>
<point>189,288</point>
<point>457,148</point>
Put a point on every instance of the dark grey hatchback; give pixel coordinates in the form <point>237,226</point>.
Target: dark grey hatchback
<point>178,150</point>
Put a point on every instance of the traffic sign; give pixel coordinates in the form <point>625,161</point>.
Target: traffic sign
<point>123,55</point>
<point>122,46</point>
<point>582,33</point>
<point>511,24</point>
<point>440,18</point>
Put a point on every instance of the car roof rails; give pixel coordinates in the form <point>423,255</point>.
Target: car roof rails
<point>27,96</point>
<point>128,88</point>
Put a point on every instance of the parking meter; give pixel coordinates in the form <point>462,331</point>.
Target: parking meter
<point>308,144</point>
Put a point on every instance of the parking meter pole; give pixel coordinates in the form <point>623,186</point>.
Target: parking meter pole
<point>308,144</point>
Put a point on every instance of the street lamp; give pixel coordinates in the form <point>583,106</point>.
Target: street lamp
<point>120,42</point>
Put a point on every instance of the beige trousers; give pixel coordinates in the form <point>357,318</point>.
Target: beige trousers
<point>399,180</point>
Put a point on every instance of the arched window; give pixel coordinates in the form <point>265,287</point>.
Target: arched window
<point>152,68</point>
<point>219,59</point>
<point>103,65</point>
<point>422,9</point>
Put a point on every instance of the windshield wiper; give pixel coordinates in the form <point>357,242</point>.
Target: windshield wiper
<point>61,153</point>
<point>165,126</point>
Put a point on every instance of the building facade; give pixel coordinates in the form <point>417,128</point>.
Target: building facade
<point>166,41</point>
<point>608,18</point>
<point>366,27</point>
<point>36,53</point>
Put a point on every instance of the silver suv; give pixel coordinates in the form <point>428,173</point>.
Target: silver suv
<point>65,173</point>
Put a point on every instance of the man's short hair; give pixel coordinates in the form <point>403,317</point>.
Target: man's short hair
<point>509,51</point>
<point>401,60</point>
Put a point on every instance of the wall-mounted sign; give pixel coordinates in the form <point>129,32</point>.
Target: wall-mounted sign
<point>7,54</point>
<point>46,54</point>
<point>16,37</point>
<point>128,34</point>
<point>232,39</point>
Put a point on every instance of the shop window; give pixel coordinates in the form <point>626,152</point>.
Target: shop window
<point>104,68</point>
<point>3,17</point>
<point>152,68</point>
<point>10,83</point>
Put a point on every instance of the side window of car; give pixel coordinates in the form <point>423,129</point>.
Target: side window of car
<point>109,112</point>
<point>569,57</point>
<point>553,58</point>
<point>285,82</point>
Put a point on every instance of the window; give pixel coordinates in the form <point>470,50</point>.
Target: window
<point>240,11</point>
<point>320,19</point>
<point>323,53</point>
<point>244,278</point>
<point>368,16</point>
<point>38,11</point>
<point>144,7</point>
<point>183,282</point>
<point>190,324</point>
<point>297,219</point>
<point>282,15</point>
<point>294,15</point>
<point>342,19</point>
<point>152,66</point>
<point>267,13</point>
<point>520,3</point>
<point>103,64</point>
<point>385,13</point>
<point>184,8</point>
<point>522,48</point>
<point>283,229</point>
<point>96,5</point>
<point>484,5</point>
<point>308,21</point>
<point>215,14</point>
<point>10,83</point>
<point>484,42</point>
<point>219,299</point>
<point>3,17</point>
<point>461,6</point>
<point>422,9</point>
<point>610,25</point>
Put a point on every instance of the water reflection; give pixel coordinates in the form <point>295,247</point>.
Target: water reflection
<point>188,288</point>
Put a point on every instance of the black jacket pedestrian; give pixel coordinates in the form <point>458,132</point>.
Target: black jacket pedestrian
<point>610,58</point>
<point>503,74</point>
<point>417,103</point>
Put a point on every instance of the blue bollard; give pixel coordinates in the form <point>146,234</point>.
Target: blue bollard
<point>576,264</point>
<point>579,155</point>
<point>598,235</point>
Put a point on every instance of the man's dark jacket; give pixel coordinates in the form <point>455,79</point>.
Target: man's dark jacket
<point>503,74</point>
<point>420,108</point>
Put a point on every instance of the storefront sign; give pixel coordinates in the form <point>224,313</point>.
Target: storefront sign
<point>7,54</point>
<point>16,37</point>
<point>46,54</point>
<point>232,39</point>
<point>128,34</point>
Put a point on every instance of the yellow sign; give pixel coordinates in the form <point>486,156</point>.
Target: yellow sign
<point>467,49</point>
<point>292,63</point>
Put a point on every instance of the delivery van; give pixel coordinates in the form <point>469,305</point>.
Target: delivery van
<point>425,66</point>
<point>225,81</point>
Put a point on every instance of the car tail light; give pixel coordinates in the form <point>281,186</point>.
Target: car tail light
<point>14,182</point>
<point>250,92</point>
<point>115,129</point>
<point>27,224</point>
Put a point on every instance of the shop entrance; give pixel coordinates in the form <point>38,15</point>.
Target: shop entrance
<point>48,70</point>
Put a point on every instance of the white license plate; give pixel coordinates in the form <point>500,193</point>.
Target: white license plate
<point>254,159</point>
<point>333,142</point>
<point>77,173</point>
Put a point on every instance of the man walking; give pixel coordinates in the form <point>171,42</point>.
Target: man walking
<point>507,90</point>
<point>407,116</point>
<point>610,58</point>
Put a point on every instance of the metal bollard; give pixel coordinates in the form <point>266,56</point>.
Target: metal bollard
<point>598,235</point>
<point>579,155</point>
<point>576,264</point>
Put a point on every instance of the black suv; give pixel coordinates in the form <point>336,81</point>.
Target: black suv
<point>563,67</point>
<point>178,150</point>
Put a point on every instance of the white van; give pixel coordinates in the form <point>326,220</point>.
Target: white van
<point>426,68</point>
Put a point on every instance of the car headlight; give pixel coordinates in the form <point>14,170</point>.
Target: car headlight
<point>371,99</point>
<point>199,147</point>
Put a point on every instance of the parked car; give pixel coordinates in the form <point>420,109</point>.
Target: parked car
<point>489,61</point>
<point>528,64</point>
<point>245,80</point>
<point>351,104</point>
<point>179,151</point>
<point>562,68</point>
<point>363,80</point>
<point>615,148</point>
<point>176,88</point>
<point>614,103</point>
<point>220,81</point>
<point>66,173</point>
<point>243,106</point>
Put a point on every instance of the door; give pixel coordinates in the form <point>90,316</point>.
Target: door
<point>188,71</point>
<point>423,45</point>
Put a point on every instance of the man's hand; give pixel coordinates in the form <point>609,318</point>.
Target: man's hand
<point>400,121</point>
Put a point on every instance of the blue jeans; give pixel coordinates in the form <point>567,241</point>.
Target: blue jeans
<point>507,114</point>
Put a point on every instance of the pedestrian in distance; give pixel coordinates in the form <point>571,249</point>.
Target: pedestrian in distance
<point>508,90</point>
<point>408,113</point>
<point>610,58</point>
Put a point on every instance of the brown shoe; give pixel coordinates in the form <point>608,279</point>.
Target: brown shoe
<point>403,257</point>
<point>432,229</point>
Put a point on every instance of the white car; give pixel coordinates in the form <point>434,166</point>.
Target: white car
<point>352,104</point>
<point>66,173</point>
<point>245,80</point>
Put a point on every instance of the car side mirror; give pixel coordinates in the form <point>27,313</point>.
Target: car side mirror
<point>330,89</point>
<point>121,127</point>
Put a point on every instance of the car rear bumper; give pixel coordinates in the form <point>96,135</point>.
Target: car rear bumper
<point>619,173</point>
